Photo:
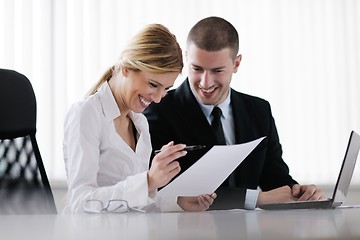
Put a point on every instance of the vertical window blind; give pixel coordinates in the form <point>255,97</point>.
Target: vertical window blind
<point>300,55</point>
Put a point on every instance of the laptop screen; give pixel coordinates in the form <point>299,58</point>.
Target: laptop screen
<point>347,168</point>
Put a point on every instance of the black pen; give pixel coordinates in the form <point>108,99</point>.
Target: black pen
<point>188,148</point>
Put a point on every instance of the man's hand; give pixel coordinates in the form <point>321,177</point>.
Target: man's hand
<point>196,204</point>
<point>307,192</point>
<point>281,194</point>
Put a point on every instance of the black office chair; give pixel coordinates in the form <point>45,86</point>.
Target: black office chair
<point>24,186</point>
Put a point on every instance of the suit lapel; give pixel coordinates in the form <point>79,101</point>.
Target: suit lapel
<point>198,126</point>
<point>241,119</point>
<point>192,115</point>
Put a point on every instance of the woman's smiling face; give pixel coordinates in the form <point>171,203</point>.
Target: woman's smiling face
<point>140,88</point>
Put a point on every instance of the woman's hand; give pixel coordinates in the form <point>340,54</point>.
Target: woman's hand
<point>163,167</point>
<point>196,204</point>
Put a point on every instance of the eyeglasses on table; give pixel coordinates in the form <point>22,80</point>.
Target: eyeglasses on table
<point>112,206</point>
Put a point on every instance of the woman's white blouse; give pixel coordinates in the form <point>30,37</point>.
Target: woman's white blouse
<point>99,164</point>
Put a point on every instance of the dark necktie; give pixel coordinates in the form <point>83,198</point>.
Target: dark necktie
<point>217,126</point>
<point>219,133</point>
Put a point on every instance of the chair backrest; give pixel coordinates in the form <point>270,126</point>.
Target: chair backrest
<point>24,186</point>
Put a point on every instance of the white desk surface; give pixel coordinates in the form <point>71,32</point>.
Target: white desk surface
<point>235,224</point>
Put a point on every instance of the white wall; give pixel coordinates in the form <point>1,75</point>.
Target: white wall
<point>301,55</point>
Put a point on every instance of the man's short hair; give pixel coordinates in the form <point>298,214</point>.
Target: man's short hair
<point>214,34</point>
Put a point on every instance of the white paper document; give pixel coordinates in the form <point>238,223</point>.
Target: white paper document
<point>207,174</point>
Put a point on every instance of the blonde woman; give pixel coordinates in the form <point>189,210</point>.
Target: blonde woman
<point>107,144</point>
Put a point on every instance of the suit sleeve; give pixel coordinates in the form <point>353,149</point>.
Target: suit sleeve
<point>275,171</point>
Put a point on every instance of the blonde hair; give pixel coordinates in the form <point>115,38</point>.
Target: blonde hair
<point>154,49</point>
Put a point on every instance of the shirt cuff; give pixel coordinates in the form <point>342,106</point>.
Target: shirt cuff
<point>251,199</point>
<point>169,204</point>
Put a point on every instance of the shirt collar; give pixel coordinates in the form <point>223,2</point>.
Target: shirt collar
<point>108,103</point>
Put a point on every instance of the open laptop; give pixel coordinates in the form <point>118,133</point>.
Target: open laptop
<point>341,187</point>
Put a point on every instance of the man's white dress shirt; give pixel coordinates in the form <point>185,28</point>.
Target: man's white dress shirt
<point>227,121</point>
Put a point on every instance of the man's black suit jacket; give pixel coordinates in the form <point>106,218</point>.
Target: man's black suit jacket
<point>179,118</point>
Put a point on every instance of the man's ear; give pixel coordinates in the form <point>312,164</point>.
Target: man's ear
<point>237,63</point>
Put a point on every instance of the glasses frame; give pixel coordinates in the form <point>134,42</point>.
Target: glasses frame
<point>105,209</point>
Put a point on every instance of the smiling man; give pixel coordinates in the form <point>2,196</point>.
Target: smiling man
<point>185,116</point>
